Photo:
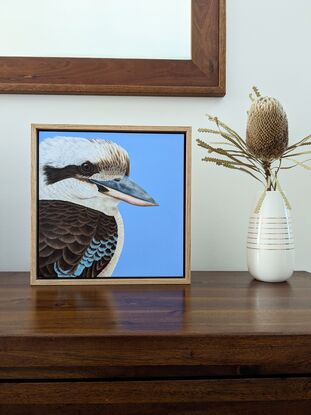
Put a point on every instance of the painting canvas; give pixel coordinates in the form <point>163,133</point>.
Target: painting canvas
<point>110,204</point>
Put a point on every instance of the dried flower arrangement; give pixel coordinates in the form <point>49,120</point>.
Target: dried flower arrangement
<point>265,151</point>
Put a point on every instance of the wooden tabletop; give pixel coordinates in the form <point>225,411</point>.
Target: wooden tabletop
<point>223,318</point>
<point>216,303</point>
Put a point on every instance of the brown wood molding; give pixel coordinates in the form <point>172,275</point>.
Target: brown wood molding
<point>203,75</point>
<point>157,391</point>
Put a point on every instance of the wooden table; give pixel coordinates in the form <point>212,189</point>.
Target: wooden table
<point>225,345</point>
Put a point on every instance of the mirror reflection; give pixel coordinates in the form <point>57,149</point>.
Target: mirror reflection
<point>144,29</point>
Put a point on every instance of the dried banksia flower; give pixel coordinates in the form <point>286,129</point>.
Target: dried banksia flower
<point>265,152</point>
<point>267,129</point>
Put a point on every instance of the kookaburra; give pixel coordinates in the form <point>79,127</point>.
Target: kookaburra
<point>81,182</point>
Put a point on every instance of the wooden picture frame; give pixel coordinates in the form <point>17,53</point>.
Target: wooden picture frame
<point>59,163</point>
<point>202,75</point>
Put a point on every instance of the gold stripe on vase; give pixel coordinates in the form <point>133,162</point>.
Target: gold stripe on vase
<point>270,233</point>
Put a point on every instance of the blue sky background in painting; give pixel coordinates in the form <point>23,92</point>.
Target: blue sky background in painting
<point>154,236</point>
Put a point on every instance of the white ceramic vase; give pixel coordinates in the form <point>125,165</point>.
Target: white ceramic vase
<point>270,242</point>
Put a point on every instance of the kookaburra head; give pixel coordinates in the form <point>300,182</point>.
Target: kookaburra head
<point>89,172</point>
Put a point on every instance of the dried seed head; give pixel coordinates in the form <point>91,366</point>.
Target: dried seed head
<point>267,129</point>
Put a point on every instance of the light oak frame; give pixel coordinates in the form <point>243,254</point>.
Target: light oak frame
<point>35,128</point>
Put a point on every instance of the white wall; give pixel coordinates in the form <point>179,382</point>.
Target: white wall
<point>268,44</point>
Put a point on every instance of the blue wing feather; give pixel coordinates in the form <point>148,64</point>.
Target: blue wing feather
<point>95,252</point>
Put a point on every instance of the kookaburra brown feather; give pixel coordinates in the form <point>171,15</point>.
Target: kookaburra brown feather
<point>81,183</point>
<point>267,129</point>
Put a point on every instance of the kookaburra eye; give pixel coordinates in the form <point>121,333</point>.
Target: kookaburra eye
<point>87,168</point>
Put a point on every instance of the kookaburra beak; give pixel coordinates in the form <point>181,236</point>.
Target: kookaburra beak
<point>125,189</point>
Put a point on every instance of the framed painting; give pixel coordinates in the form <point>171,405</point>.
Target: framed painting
<point>110,204</point>
<point>121,47</point>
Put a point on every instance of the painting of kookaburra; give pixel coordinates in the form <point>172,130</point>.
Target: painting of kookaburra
<point>81,182</point>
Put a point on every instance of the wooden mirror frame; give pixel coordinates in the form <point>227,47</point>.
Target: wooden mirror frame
<point>203,75</point>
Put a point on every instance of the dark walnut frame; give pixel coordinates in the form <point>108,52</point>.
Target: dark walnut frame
<point>203,75</point>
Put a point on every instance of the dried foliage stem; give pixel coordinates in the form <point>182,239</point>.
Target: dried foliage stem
<point>267,169</point>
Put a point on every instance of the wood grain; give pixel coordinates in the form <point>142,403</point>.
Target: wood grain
<point>203,75</point>
<point>226,345</point>
<point>161,391</point>
<point>224,324</point>
<point>186,278</point>
<point>158,397</point>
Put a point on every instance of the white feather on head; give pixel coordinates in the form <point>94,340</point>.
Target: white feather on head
<point>62,151</point>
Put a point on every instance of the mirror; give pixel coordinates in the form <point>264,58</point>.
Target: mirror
<point>141,29</point>
<point>113,47</point>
